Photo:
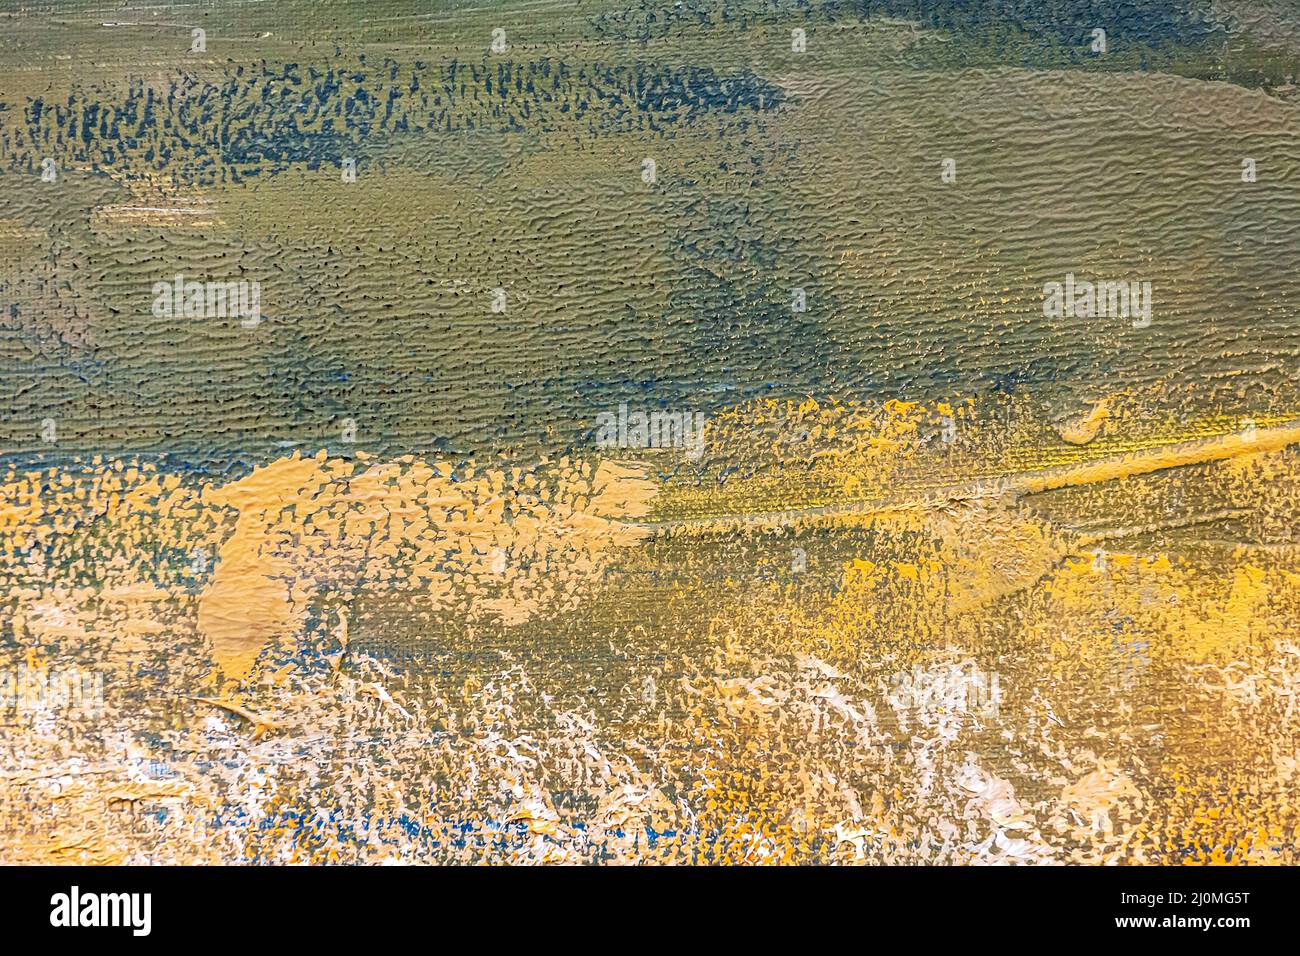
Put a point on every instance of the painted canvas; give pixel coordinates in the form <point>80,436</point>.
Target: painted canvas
<point>647,432</point>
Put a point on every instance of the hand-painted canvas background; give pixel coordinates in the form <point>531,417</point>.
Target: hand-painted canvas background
<point>746,432</point>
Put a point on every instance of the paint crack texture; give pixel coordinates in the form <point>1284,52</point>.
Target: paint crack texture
<point>724,433</point>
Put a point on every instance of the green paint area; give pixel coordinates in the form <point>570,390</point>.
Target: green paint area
<point>508,263</point>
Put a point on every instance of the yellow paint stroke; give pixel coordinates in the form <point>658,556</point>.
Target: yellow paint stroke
<point>1085,429</point>
<point>1132,464</point>
<point>408,525</point>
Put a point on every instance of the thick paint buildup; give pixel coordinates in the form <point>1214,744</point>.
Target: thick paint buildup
<point>626,433</point>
